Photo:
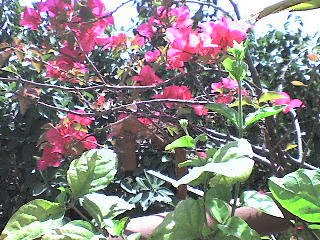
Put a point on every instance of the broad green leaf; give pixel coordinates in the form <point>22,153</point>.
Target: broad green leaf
<point>102,207</point>
<point>262,202</point>
<point>262,113</point>
<point>236,228</point>
<point>33,219</point>
<point>185,141</point>
<point>220,191</point>
<point>93,171</point>
<point>219,209</point>
<point>267,96</point>
<point>224,110</point>
<point>116,227</point>
<point>299,192</point>
<point>306,6</point>
<point>238,169</point>
<point>202,138</point>
<point>235,149</point>
<point>229,161</point>
<point>185,222</point>
<point>279,7</point>
<point>74,230</point>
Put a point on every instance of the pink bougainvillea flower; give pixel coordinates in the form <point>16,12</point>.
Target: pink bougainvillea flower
<point>184,44</point>
<point>182,17</point>
<point>174,92</point>
<point>55,7</point>
<point>200,110</point>
<point>85,121</point>
<point>113,41</point>
<point>224,99</point>
<point>152,56</point>
<point>30,18</point>
<point>147,77</point>
<point>147,30</point>
<point>224,32</point>
<point>287,101</point>
<point>202,154</point>
<point>216,87</point>
<point>49,158</point>
<point>138,40</point>
<point>229,83</point>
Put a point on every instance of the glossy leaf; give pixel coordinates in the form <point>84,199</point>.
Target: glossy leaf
<point>231,161</point>
<point>299,192</point>
<point>93,171</point>
<point>224,110</point>
<point>185,222</point>
<point>314,4</point>
<point>74,230</point>
<point>219,209</point>
<point>282,5</point>
<point>236,228</point>
<point>220,191</point>
<point>262,113</point>
<point>262,202</point>
<point>102,207</point>
<point>267,96</point>
<point>185,141</point>
<point>33,220</point>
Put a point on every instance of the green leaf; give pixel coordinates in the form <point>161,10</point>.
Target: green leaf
<point>33,219</point>
<point>220,191</point>
<point>219,209</point>
<point>185,222</point>
<point>238,228</point>
<point>267,96</point>
<point>224,110</point>
<point>299,192</point>
<point>262,202</point>
<point>279,7</point>
<point>102,207</point>
<point>306,6</point>
<point>202,138</point>
<point>93,171</point>
<point>185,141</point>
<point>229,161</point>
<point>116,227</point>
<point>74,230</point>
<point>262,113</point>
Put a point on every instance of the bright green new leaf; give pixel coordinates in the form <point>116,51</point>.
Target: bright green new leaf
<point>74,230</point>
<point>299,192</point>
<point>285,4</point>
<point>33,220</point>
<point>267,96</point>
<point>262,202</point>
<point>102,207</point>
<point>239,169</point>
<point>116,227</point>
<point>93,171</point>
<point>218,208</point>
<point>224,110</point>
<point>185,222</point>
<point>262,113</point>
<point>236,228</point>
<point>232,161</point>
<point>306,6</point>
<point>185,141</point>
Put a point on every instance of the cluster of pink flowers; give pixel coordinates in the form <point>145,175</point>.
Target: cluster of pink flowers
<point>227,89</point>
<point>70,60</point>
<point>69,138</point>
<point>180,93</point>
<point>286,100</point>
<point>147,77</point>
